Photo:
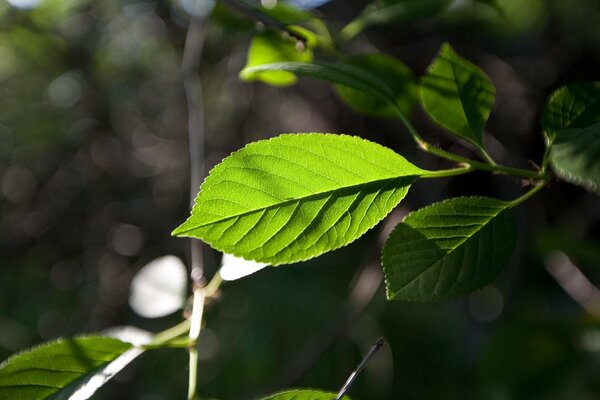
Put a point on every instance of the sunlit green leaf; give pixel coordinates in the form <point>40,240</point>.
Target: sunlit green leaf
<point>576,105</point>
<point>296,196</point>
<point>448,249</point>
<point>269,47</point>
<point>303,394</point>
<point>575,156</point>
<point>458,95</point>
<point>58,369</point>
<point>398,78</point>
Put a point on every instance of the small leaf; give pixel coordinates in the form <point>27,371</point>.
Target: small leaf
<point>344,74</point>
<point>458,95</point>
<point>63,368</point>
<point>448,249</point>
<point>269,47</point>
<point>398,78</point>
<point>297,196</point>
<point>159,287</point>
<point>575,156</point>
<point>303,394</point>
<point>576,105</point>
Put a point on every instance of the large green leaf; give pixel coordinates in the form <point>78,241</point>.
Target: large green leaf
<point>303,394</point>
<point>342,74</point>
<point>269,47</point>
<point>458,95</point>
<point>576,105</point>
<point>575,156</point>
<point>58,369</point>
<point>398,78</point>
<point>296,196</point>
<point>448,249</point>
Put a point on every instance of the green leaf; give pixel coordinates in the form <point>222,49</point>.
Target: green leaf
<point>575,156</point>
<point>398,78</point>
<point>448,249</point>
<point>269,47</point>
<point>458,95</point>
<point>296,196</point>
<point>576,105</point>
<point>398,12</point>
<point>303,394</point>
<point>343,74</point>
<point>58,369</point>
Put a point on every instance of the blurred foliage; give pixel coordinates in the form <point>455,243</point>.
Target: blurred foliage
<point>94,176</point>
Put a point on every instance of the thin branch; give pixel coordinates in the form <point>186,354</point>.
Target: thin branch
<point>192,84</point>
<point>374,349</point>
<point>195,328</point>
<point>192,52</point>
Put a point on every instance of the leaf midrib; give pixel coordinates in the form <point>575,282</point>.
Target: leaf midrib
<point>291,201</point>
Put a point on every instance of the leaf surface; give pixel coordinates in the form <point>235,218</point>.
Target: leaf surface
<point>343,74</point>
<point>576,105</point>
<point>58,369</point>
<point>269,47</point>
<point>448,249</point>
<point>458,95</point>
<point>293,197</point>
<point>303,394</point>
<point>398,78</point>
<point>575,156</point>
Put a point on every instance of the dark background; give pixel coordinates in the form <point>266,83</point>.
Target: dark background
<point>94,176</point>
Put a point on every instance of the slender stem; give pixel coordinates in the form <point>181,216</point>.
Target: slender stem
<point>374,349</point>
<point>192,51</point>
<point>443,173</point>
<point>486,156</point>
<point>171,333</point>
<point>213,285</point>
<point>539,186</point>
<point>475,165</point>
<point>195,328</point>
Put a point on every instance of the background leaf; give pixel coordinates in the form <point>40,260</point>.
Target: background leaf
<point>296,196</point>
<point>576,105</point>
<point>399,12</point>
<point>53,369</point>
<point>303,394</point>
<point>398,78</point>
<point>343,74</point>
<point>268,47</point>
<point>575,156</point>
<point>458,95</point>
<point>448,249</point>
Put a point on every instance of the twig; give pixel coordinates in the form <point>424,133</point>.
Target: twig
<point>192,51</point>
<point>374,349</point>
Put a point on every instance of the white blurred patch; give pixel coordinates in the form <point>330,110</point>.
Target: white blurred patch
<point>24,4</point>
<point>158,289</point>
<point>233,267</point>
